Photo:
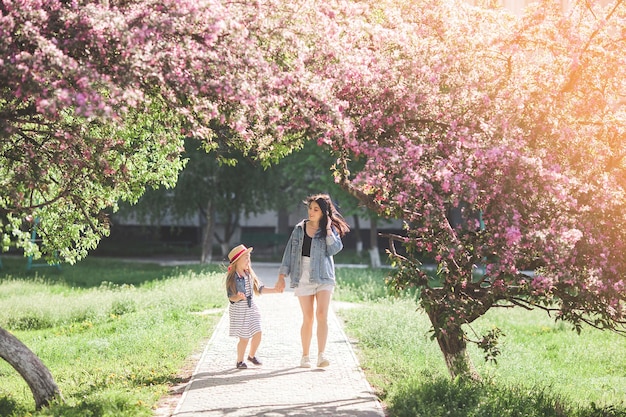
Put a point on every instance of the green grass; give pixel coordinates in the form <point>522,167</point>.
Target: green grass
<point>545,368</point>
<point>360,285</point>
<point>115,336</point>
<point>113,348</point>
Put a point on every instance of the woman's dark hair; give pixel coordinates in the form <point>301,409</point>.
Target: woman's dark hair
<point>329,212</point>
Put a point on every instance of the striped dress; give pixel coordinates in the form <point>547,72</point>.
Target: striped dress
<point>245,321</point>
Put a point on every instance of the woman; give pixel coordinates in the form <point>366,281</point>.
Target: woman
<point>308,261</point>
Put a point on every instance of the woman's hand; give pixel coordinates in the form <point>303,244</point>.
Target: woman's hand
<point>280,284</point>
<point>241,296</point>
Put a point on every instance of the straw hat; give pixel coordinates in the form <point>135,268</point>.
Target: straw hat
<point>236,253</point>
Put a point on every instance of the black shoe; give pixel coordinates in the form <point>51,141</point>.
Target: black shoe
<point>254,360</point>
<point>241,365</point>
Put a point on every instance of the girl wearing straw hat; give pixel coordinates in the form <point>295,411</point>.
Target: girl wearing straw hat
<point>242,285</point>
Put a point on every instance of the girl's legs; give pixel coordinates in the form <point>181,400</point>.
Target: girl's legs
<point>254,344</point>
<point>323,304</point>
<point>241,348</point>
<point>306,331</point>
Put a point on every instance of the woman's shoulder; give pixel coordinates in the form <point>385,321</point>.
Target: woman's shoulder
<point>300,224</point>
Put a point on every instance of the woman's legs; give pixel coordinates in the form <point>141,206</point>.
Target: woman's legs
<point>323,304</point>
<point>306,331</point>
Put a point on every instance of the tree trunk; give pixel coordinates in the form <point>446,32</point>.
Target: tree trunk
<point>225,249</point>
<point>454,349</point>
<point>232,223</point>
<point>30,367</point>
<point>283,221</point>
<point>357,231</point>
<point>374,253</point>
<point>207,237</point>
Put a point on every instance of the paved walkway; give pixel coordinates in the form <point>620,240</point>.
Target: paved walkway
<point>279,387</point>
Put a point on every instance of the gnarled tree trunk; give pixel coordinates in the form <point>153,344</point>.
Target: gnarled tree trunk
<point>454,349</point>
<point>30,367</point>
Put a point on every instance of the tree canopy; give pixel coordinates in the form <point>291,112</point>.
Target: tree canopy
<point>95,98</point>
<point>519,124</point>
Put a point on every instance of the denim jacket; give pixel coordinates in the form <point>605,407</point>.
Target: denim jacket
<point>322,251</point>
<point>240,283</point>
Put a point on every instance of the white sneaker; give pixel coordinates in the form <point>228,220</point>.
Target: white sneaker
<point>322,360</point>
<point>305,362</point>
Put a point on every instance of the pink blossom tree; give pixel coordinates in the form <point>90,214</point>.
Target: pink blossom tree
<point>517,126</point>
<point>96,96</point>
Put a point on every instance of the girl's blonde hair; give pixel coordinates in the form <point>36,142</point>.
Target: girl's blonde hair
<point>231,287</point>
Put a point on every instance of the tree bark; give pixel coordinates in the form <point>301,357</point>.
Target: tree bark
<point>225,248</point>
<point>357,232</point>
<point>207,237</point>
<point>374,253</point>
<point>232,223</point>
<point>452,343</point>
<point>30,367</point>
<point>283,221</point>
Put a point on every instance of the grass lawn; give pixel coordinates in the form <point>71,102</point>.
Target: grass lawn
<point>545,368</point>
<point>117,336</point>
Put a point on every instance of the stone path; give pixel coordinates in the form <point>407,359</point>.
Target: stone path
<point>279,387</point>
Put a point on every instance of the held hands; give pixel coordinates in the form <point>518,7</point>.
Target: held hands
<point>241,296</point>
<point>280,284</point>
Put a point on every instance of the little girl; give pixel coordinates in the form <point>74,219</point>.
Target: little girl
<point>245,317</point>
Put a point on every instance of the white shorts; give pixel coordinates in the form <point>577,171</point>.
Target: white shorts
<point>305,286</point>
